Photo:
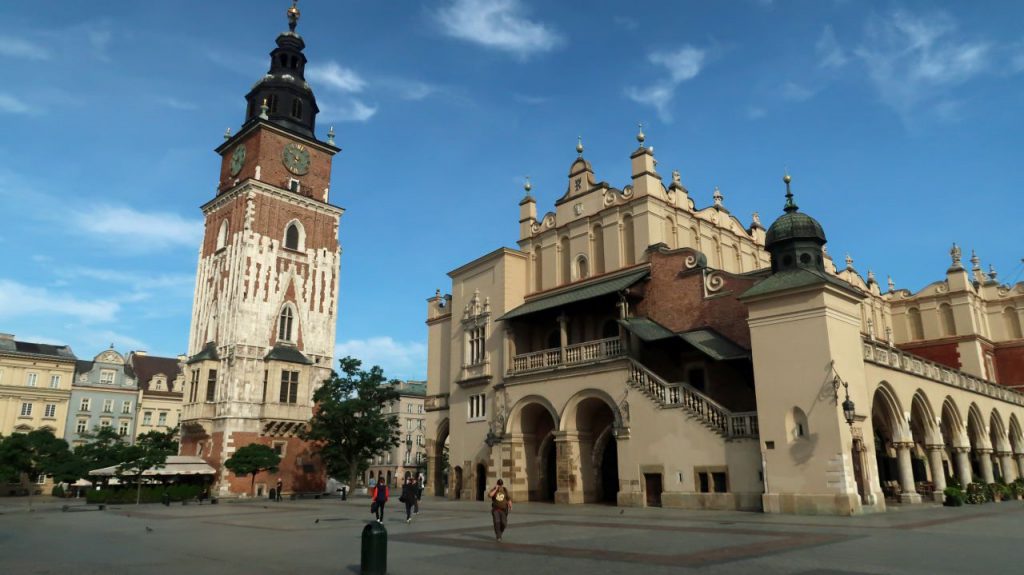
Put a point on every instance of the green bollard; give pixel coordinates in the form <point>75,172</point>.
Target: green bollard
<point>374,559</point>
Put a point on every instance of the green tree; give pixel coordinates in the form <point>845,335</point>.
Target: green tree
<point>349,425</point>
<point>103,448</point>
<point>23,457</point>
<point>150,450</point>
<point>251,460</point>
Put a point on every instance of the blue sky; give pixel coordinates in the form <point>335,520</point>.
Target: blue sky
<point>900,122</point>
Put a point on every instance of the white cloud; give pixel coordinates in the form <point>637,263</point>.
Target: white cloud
<point>682,65</point>
<point>138,230</point>
<point>11,105</point>
<point>830,53</point>
<point>177,104</point>
<point>755,113</point>
<point>795,92</point>
<point>333,75</point>
<point>21,48</point>
<point>352,111</point>
<point>914,62</point>
<point>498,24</point>
<point>399,360</point>
<point>17,299</point>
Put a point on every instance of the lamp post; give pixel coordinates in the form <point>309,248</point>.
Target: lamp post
<point>849,409</point>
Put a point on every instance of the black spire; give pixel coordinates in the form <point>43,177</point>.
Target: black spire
<point>289,99</point>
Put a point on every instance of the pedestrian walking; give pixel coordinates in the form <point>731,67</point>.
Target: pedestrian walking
<point>408,497</point>
<point>501,504</point>
<point>380,497</point>
<point>280,486</point>
<point>419,495</point>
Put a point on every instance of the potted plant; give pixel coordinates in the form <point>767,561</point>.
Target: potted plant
<point>954,497</point>
<point>977,493</point>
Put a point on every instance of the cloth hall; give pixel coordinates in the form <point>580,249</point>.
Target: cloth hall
<point>638,350</point>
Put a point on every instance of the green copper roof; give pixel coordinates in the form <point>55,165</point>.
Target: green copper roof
<point>794,225</point>
<point>795,278</point>
<point>287,353</point>
<point>208,353</point>
<point>577,293</point>
<point>646,329</point>
<point>714,345</point>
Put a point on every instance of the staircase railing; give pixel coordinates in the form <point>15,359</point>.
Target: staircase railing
<point>681,394</point>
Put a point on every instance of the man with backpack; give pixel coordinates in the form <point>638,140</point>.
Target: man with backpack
<point>501,504</point>
<point>380,497</point>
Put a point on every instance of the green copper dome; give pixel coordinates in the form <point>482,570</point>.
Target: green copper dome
<point>794,225</point>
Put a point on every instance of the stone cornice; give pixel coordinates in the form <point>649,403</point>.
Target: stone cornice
<point>273,191</point>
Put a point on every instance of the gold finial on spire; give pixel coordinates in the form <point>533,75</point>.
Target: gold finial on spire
<point>263,110</point>
<point>293,15</point>
<point>790,204</point>
<point>579,145</point>
<point>640,135</point>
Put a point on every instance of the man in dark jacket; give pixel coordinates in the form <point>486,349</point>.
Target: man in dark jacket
<point>409,497</point>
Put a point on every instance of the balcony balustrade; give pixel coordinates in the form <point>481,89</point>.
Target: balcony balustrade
<point>575,354</point>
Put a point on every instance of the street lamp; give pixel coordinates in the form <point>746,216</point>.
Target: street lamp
<point>849,410</point>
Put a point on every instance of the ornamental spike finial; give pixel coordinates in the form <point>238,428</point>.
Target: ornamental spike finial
<point>790,204</point>
<point>579,145</point>
<point>330,136</point>
<point>975,261</point>
<point>227,134</point>
<point>640,134</point>
<point>527,186</point>
<point>955,254</point>
<point>293,15</point>
<point>892,284</point>
<point>263,110</point>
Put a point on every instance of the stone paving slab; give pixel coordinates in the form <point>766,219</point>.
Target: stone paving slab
<point>456,537</point>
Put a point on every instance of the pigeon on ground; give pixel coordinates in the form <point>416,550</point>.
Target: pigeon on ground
<point>621,511</point>
<point>317,520</point>
<point>149,529</point>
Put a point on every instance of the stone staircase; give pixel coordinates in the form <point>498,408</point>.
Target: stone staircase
<point>681,395</point>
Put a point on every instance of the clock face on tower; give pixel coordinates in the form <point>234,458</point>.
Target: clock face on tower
<point>237,159</point>
<point>296,159</point>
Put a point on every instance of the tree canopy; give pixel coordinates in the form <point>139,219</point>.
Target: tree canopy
<point>252,459</point>
<point>349,426</point>
<point>151,449</point>
<point>29,455</point>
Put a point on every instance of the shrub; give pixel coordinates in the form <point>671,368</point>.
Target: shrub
<point>978,493</point>
<point>148,494</point>
<point>954,497</point>
<point>58,491</point>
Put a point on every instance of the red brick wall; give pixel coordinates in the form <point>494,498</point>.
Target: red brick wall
<point>675,298</point>
<point>291,473</point>
<point>944,353</point>
<point>1009,360</point>
<point>265,149</point>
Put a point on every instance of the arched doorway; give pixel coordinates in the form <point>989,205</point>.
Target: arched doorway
<point>595,423</point>
<point>537,425</point>
<point>439,474</point>
<point>886,428</point>
<point>481,481</point>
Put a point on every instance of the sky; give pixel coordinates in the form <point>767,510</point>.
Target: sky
<point>900,123</point>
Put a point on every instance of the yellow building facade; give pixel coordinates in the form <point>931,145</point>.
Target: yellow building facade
<point>35,386</point>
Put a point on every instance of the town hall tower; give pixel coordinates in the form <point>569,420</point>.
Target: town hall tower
<point>266,295</point>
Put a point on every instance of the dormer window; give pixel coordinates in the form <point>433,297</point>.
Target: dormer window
<point>297,109</point>
<point>272,103</point>
<point>284,323</point>
<point>294,185</point>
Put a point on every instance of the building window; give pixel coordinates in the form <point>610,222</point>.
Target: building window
<point>84,405</point>
<point>419,408</point>
<point>916,325</point>
<point>1012,320</point>
<point>108,406</point>
<point>162,418</point>
<point>195,386</point>
<point>126,407</point>
<point>272,103</point>
<point>50,410</point>
<point>147,418</point>
<point>107,376</point>
<point>582,269</point>
<point>105,423</point>
<point>408,408</point>
<point>297,109</point>
<point>31,380</point>
<point>477,407</point>
<point>284,324</point>
<point>476,345</point>
<point>946,319</point>
<point>293,235</point>
<point>158,383</point>
<point>222,235</point>
<point>199,448</point>
<point>41,479</point>
<point>211,385</point>
<point>294,186</point>
<point>26,409</point>
<point>266,374</point>
<point>123,430</point>
<point>712,480</point>
<point>54,381</point>
<point>279,447</point>
<point>289,387</point>
<point>81,426</point>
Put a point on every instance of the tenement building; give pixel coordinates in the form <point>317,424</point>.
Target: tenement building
<point>638,350</point>
<point>35,385</point>
<point>266,296</point>
<point>160,381</point>
<point>409,457</point>
<point>103,394</point>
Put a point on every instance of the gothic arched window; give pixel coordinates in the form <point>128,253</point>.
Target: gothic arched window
<point>222,235</point>
<point>946,319</point>
<point>916,326</point>
<point>294,236</point>
<point>284,323</point>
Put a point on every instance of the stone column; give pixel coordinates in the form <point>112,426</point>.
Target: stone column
<point>938,474</point>
<point>963,466</point>
<point>567,468</point>
<point>563,332</point>
<point>1009,466</point>
<point>985,462</point>
<point>1020,464</point>
<point>909,494</point>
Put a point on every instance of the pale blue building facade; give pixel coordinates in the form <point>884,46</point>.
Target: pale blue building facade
<point>104,393</point>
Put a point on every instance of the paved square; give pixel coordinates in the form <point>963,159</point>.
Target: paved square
<point>323,536</point>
